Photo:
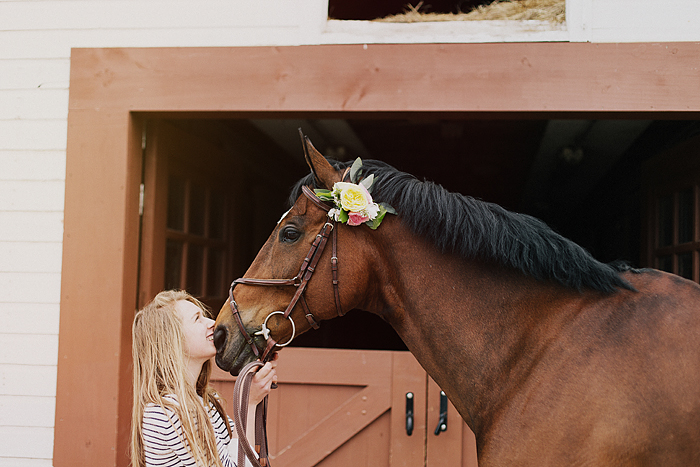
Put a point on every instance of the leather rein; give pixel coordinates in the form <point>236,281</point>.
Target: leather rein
<point>300,281</point>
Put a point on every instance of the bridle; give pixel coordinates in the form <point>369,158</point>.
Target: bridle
<point>300,281</point>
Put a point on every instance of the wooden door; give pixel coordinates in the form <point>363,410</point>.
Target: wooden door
<point>187,229</point>
<point>338,407</point>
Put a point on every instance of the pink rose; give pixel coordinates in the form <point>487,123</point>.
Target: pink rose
<point>355,218</point>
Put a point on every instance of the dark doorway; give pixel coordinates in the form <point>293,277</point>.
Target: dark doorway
<point>580,176</point>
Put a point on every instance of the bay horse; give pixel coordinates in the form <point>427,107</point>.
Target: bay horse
<point>551,357</point>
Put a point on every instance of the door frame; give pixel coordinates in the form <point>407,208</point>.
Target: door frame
<point>113,91</point>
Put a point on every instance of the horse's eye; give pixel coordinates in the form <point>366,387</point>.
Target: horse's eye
<point>289,235</point>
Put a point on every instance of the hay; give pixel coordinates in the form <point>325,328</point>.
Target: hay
<point>522,10</point>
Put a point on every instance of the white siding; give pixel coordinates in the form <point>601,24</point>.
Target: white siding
<point>36,37</point>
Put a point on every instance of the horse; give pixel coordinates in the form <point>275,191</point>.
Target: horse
<point>550,356</point>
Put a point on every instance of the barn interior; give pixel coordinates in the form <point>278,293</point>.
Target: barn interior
<point>582,176</point>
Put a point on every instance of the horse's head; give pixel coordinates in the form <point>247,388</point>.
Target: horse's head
<point>279,282</point>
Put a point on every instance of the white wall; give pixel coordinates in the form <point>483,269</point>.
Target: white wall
<point>35,41</point>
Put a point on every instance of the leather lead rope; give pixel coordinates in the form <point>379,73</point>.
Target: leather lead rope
<point>241,394</point>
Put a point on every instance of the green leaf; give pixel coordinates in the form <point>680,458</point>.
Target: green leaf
<point>355,170</point>
<point>374,223</point>
<point>387,208</point>
<point>343,216</point>
<point>323,194</point>
<point>368,182</point>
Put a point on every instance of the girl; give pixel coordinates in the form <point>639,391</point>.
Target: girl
<point>178,419</point>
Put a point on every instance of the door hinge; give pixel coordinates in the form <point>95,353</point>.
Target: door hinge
<point>141,190</point>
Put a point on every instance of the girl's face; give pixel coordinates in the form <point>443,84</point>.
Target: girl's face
<point>198,330</point>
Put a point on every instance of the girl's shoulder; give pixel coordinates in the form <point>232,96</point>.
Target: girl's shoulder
<point>163,411</point>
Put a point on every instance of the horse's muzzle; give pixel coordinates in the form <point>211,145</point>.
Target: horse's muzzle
<point>232,352</point>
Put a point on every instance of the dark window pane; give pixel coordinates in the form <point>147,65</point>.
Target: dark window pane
<point>173,264</point>
<point>685,216</point>
<point>176,203</point>
<point>666,220</point>
<point>215,272</point>
<point>216,215</point>
<point>195,264</point>
<point>665,263</point>
<point>685,265</point>
<point>198,206</point>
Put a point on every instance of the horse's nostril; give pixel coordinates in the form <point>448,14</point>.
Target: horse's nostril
<point>219,337</point>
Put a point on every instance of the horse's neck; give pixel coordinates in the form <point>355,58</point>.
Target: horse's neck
<point>466,322</point>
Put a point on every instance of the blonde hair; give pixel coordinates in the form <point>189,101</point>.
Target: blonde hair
<point>158,350</point>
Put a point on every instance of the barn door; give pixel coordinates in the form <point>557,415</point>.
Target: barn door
<point>338,407</point>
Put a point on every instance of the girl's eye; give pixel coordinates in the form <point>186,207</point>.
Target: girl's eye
<point>289,235</point>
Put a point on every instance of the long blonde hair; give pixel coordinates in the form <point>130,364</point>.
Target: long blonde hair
<point>158,350</point>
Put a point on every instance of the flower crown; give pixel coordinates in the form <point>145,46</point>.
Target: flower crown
<point>353,201</point>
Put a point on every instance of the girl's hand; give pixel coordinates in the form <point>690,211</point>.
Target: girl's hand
<point>262,381</point>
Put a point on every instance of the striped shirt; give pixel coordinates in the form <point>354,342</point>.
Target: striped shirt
<point>163,438</point>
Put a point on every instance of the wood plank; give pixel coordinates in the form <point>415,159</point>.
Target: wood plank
<point>34,74</point>
<point>32,195</point>
<point>621,15</point>
<point>407,376</point>
<point>33,104</point>
<point>394,78</point>
<point>445,448</point>
<point>101,220</point>
<point>21,287</point>
<point>30,257</point>
<point>153,15</point>
<point>14,317</point>
<point>23,135</point>
<point>27,442</point>
<point>33,165</point>
<point>327,366</point>
<point>57,43</point>
<point>31,226</point>
<point>27,411</point>
<point>28,349</point>
<point>23,462</point>
<point>331,432</point>
<point>28,380</point>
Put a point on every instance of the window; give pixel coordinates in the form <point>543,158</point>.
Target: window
<point>672,185</point>
<point>195,238</point>
<point>676,244</point>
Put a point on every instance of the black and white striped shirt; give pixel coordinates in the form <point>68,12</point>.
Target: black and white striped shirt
<point>163,438</point>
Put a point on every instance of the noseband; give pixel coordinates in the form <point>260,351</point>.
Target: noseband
<point>299,281</point>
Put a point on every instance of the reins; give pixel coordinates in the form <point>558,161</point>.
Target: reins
<point>241,389</point>
<point>241,394</point>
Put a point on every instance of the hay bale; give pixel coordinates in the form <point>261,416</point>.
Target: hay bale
<point>516,10</point>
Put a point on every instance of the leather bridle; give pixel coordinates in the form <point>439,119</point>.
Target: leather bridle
<point>300,281</point>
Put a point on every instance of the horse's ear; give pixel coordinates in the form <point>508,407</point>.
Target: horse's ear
<point>323,171</point>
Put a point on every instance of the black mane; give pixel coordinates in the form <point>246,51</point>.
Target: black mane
<point>476,229</point>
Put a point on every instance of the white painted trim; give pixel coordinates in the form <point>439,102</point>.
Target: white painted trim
<point>579,15</point>
<point>369,32</point>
